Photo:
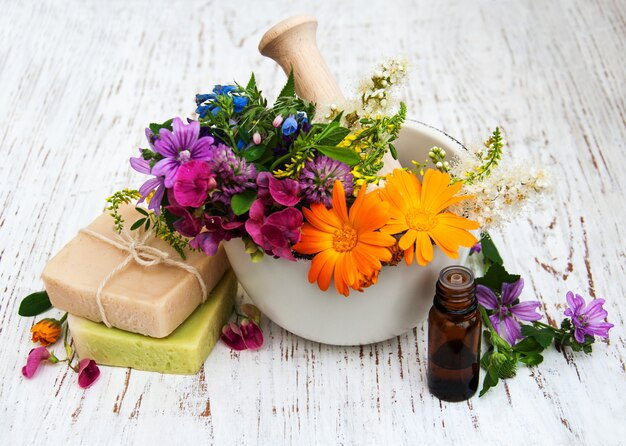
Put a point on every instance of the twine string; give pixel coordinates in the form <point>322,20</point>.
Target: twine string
<point>143,255</point>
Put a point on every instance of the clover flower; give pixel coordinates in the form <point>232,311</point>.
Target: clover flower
<point>232,173</point>
<point>318,177</point>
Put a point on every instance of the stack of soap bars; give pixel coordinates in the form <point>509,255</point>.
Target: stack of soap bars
<point>158,320</point>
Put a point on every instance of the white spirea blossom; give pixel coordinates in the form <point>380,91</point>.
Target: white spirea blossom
<point>506,193</point>
<point>374,96</point>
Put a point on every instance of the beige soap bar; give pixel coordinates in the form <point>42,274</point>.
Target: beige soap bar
<point>182,352</point>
<point>150,300</point>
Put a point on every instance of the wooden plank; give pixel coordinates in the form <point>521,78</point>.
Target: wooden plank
<point>80,81</point>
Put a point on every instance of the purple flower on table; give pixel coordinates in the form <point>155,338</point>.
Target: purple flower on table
<point>476,248</point>
<point>232,173</point>
<point>277,232</point>
<point>88,372</point>
<point>35,358</point>
<point>179,146</point>
<point>218,229</point>
<point>506,310</point>
<point>193,182</point>
<point>587,319</point>
<point>318,177</point>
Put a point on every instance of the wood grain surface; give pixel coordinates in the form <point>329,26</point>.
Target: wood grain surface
<point>79,80</point>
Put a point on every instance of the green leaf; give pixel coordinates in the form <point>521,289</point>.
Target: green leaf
<point>393,151</point>
<point>496,275</point>
<point>289,90</point>
<point>489,249</point>
<point>491,380</point>
<point>528,346</point>
<point>241,202</point>
<point>531,360</point>
<point>34,304</point>
<point>543,336</point>
<point>348,156</point>
<point>142,211</point>
<point>138,224</point>
<point>154,128</point>
<point>334,137</point>
<point>251,83</point>
<point>254,153</point>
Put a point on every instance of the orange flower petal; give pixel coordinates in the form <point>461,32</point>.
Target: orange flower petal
<point>339,202</point>
<point>408,239</point>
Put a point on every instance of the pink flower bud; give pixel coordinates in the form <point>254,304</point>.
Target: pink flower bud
<point>88,372</point>
<point>256,138</point>
<point>278,120</point>
<point>35,357</point>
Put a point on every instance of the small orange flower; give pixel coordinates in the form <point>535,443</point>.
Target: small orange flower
<point>347,244</point>
<point>416,210</point>
<point>46,331</point>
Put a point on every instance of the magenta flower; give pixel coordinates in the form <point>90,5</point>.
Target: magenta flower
<point>179,146</point>
<point>193,182</point>
<point>248,334</point>
<point>506,310</point>
<point>277,232</point>
<point>587,319</point>
<point>88,372</point>
<point>35,358</point>
<point>218,229</point>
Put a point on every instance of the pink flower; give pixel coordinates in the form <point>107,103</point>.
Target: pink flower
<point>88,372</point>
<point>274,191</point>
<point>193,182</point>
<point>277,232</point>
<point>278,120</point>
<point>188,225</point>
<point>247,335</point>
<point>256,138</point>
<point>35,358</point>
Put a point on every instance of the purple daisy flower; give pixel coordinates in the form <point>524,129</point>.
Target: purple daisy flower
<point>179,146</point>
<point>587,319</point>
<point>156,185</point>
<point>318,177</point>
<point>506,310</point>
<point>232,173</point>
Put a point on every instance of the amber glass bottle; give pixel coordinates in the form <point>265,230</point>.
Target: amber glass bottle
<point>454,327</point>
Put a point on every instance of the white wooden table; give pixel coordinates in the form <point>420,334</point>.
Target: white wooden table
<point>80,79</point>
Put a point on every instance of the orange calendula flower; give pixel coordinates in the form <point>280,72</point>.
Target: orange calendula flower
<point>347,244</point>
<point>418,209</point>
<point>46,331</point>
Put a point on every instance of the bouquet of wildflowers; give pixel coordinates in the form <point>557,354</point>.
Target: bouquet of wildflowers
<point>294,187</point>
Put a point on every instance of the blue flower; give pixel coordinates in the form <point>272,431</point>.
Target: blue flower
<point>205,101</point>
<point>239,102</point>
<point>302,117</point>
<point>289,126</point>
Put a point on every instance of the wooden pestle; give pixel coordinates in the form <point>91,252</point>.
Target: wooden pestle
<point>293,45</point>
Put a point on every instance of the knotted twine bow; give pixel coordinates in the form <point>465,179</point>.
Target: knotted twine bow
<point>141,253</point>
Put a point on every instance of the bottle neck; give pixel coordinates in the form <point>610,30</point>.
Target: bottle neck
<point>454,299</point>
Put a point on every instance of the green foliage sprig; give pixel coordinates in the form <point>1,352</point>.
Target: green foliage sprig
<point>125,196</point>
<point>488,159</point>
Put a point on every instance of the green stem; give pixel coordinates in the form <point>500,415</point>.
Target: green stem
<point>63,319</point>
<point>541,324</point>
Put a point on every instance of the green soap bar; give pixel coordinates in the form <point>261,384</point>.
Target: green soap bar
<point>182,352</point>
